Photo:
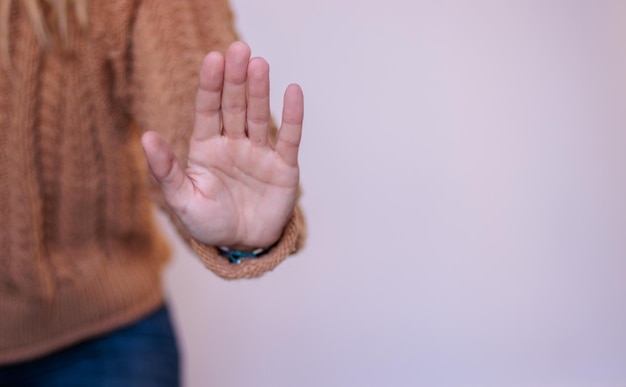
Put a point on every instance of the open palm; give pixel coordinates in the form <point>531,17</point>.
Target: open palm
<point>238,188</point>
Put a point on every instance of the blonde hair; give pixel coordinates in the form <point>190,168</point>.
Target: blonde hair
<point>47,29</point>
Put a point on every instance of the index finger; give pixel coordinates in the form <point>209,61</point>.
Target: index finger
<point>207,119</point>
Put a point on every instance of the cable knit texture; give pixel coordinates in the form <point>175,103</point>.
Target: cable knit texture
<point>80,253</point>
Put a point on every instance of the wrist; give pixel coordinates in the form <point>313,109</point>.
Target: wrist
<point>242,248</point>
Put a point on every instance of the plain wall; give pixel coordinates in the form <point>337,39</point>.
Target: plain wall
<point>464,174</point>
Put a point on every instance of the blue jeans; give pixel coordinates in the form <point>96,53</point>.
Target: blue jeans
<point>141,355</point>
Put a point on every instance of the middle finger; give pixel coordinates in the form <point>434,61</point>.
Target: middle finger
<point>234,93</point>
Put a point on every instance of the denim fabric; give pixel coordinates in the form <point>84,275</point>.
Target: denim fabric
<point>141,355</point>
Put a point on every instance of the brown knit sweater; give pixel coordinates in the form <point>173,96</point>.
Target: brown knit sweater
<point>80,254</point>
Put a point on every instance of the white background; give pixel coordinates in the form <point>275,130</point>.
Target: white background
<point>464,174</point>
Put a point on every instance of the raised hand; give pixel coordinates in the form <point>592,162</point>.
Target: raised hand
<point>238,189</point>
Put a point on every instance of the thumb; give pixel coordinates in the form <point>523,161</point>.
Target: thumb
<point>164,165</point>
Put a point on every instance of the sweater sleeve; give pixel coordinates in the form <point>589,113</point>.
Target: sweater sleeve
<point>169,39</point>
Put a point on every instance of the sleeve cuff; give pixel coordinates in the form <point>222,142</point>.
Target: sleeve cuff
<point>290,242</point>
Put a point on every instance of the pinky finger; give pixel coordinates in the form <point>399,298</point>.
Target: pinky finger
<point>290,132</point>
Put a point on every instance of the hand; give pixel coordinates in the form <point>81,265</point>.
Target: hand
<point>238,189</point>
